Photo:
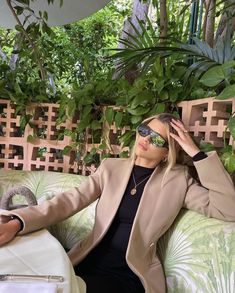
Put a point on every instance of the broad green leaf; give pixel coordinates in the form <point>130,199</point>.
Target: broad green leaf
<point>87,109</point>
<point>95,125</point>
<point>231,126</point>
<point>142,99</point>
<point>164,95</point>
<point>17,88</point>
<point>83,124</point>
<point>93,151</point>
<point>124,154</point>
<point>159,85</point>
<point>71,106</point>
<point>159,108</point>
<point>133,92</point>
<point>66,150</point>
<point>85,100</point>
<point>74,136</point>
<point>24,120</point>
<point>30,138</point>
<point>228,160</point>
<point>228,64</point>
<point>103,146</point>
<point>109,114</point>
<point>138,111</point>
<point>88,158</point>
<point>136,119</point>
<point>106,155</point>
<point>121,101</point>
<point>126,138</point>
<point>41,98</point>
<point>207,147</point>
<point>118,119</point>
<point>213,76</point>
<point>198,93</point>
<point>67,132</point>
<point>227,93</point>
<point>60,136</point>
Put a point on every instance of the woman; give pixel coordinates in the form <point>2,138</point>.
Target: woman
<point>139,198</point>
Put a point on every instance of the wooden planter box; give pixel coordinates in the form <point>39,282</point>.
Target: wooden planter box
<point>205,118</point>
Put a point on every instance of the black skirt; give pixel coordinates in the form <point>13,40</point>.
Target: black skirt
<point>108,284</point>
<point>102,282</point>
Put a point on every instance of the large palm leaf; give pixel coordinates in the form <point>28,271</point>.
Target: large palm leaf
<point>144,47</point>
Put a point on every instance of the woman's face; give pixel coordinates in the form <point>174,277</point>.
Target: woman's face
<point>148,154</point>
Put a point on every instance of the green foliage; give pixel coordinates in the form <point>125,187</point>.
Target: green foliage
<point>228,159</point>
<point>207,147</point>
<point>228,92</point>
<point>69,65</point>
<point>144,48</point>
<point>49,60</point>
<point>231,125</point>
<point>221,76</point>
<point>124,104</point>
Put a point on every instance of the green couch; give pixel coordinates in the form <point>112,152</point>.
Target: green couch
<point>198,253</point>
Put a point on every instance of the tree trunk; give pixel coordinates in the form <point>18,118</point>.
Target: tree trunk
<point>210,22</point>
<point>226,18</point>
<point>139,11</point>
<point>163,20</point>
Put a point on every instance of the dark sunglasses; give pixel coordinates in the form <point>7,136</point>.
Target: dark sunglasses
<point>155,138</point>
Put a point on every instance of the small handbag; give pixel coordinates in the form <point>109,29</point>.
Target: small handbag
<point>6,202</point>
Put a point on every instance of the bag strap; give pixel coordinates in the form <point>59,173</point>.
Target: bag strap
<point>6,200</point>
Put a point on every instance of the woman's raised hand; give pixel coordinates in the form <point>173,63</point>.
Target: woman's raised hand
<point>8,229</point>
<point>183,138</point>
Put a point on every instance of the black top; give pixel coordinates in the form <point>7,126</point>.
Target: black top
<point>108,258</point>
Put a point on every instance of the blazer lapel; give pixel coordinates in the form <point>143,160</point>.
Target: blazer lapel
<point>145,218</point>
<point>108,205</point>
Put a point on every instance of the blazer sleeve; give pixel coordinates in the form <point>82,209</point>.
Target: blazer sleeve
<point>61,206</point>
<point>215,196</point>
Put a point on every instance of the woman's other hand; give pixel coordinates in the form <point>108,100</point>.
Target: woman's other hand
<point>183,138</point>
<point>8,229</point>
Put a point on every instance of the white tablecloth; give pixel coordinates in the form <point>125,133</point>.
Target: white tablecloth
<point>39,253</point>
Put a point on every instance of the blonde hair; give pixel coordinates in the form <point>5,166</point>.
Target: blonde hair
<point>174,148</point>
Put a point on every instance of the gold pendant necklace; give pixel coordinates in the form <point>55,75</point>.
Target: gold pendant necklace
<point>134,190</point>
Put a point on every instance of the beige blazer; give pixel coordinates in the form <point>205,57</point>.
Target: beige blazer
<point>157,210</point>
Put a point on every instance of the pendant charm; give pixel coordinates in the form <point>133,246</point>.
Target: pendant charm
<point>133,191</point>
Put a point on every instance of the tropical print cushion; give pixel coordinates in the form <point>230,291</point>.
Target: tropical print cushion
<point>74,229</point>
<point>45,185</point>
<point>198,255</point>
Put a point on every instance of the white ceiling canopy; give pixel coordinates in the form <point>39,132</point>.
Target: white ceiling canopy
<point>70,11</point>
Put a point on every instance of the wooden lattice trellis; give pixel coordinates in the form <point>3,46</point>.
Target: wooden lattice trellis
<point>17,152</point>
<point>205,118</point>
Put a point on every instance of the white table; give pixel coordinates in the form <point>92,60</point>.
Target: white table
<point>39,253</point>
